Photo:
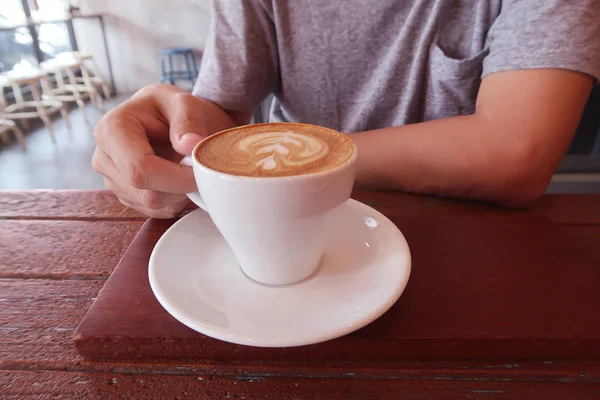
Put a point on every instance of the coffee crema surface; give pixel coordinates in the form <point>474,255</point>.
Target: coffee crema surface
<point>275,149</point>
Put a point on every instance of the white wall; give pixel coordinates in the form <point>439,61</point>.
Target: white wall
<point>137,30</point>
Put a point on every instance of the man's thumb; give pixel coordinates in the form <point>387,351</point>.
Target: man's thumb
<point>186,131</point>
<point>184,143</point>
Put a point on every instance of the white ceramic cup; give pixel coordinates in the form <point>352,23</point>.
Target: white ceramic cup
<point>277,227</point>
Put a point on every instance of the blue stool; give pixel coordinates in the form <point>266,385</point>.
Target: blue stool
<point>171,75</point>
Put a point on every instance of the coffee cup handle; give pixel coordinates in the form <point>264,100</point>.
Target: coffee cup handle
<point>193,196</point>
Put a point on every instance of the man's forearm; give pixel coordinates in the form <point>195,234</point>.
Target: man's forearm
<point>456,157</point>
<point>505,153</point>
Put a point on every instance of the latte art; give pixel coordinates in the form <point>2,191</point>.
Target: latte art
<point>275,149</point>
<point>283,150</point>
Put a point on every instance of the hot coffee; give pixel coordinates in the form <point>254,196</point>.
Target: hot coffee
<point>275,149</point>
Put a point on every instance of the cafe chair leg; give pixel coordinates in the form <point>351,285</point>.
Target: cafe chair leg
<point>20,137</point>
<point>8,125</point>
<point>19,101</point>
<point>37,98</point>
<point>94,95</point>
<point>48,125</point>
<point>170,78</point>
<point>188,64</point>
<point>96,75</point>
<point>49,94</point>
<point>65,115</point>
<point>77,95</point>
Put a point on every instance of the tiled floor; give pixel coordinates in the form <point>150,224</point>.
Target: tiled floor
<point>66,163</point>
<point>61,165</point>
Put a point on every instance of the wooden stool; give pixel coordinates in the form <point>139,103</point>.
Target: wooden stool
<point>38,108</point>
<point>71,90</point>
<point>171,75</point>
<point>90,74</point>
<point>90,71</point>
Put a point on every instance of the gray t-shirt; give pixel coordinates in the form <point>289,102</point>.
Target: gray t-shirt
<point>356,65</point>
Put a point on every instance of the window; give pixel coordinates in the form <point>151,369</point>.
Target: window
<point>26,40</point>
<point>53,39</point>
<point>11,13</point>
<point>16,47</point>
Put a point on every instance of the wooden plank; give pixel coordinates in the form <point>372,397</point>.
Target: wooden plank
<point>63,249</point>
<point>38,348</point>
<point>38,317</point>
<point>76,204</point>
<point>406,204</point>
<point>511,289</point>
<point>580,209</point>
<point>511,371</point>
<point>560,208</point>
<point>490,371</point>
<point>64,204</point>
<point>37,303</point>
<point>586,239</point>
<point>19,384</point>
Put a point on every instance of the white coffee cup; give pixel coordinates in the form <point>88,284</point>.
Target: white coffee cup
<point>277,227</point>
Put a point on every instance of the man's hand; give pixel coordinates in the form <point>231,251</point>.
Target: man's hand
<point>140,143</point>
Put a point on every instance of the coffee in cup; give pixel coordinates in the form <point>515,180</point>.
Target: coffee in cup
<point>275,149</point>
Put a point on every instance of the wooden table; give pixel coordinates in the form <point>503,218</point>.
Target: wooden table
<point>57,248</point>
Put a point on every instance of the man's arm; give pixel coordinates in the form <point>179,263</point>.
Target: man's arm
<point>505,153</point>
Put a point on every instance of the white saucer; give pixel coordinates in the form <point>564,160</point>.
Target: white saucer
<point>196,278</point>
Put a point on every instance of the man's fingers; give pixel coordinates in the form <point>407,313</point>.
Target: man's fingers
<point>161,214</point>
<point>123,137</point>
<point>102,164</point>
<point>180,111</point>
<point>172,111</point>
<point>138,166</point>
<point>150,172</point>
<point>148,199</point>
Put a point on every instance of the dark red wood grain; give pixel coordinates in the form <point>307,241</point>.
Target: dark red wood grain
<point>79,386</point>
<point>102,205</point>
<point>571,209</point>
<point>57,248</point>
<point>63,249</point>
<point>511,289</point>
<point>64,204</point>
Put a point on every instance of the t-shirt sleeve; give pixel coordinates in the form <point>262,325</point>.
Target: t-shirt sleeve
<point>532,34</point>
<point>240,63</point>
